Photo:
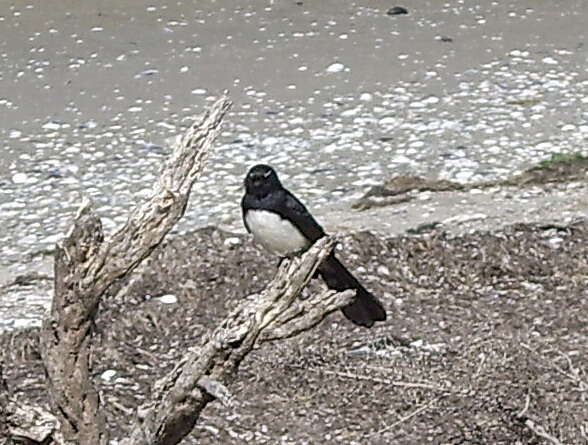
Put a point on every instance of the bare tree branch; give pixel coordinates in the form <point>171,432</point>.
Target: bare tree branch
<point>204,373</point>
<point>305,315</point>
<point>86,265</point>
<point>3,403</point>
<point>29,424</point>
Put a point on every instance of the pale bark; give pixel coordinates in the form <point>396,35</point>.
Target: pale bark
<point>204,373</point>
<point>86,265</point>
<point>27,424</point>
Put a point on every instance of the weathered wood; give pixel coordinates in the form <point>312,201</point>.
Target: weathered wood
<point>3,404</point>
<point>86,265</point>
<point>65,340</point>
<point>204,373</point>
<point>29,424</point>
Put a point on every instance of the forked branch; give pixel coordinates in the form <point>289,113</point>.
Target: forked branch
<point>203,374</point>
<point>86,265</point>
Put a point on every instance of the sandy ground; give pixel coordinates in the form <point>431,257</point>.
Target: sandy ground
<point>455,212</point>
<point>336,96</point>
<point>487,338</point>
<point>462,212</point>
<point>486,342</point>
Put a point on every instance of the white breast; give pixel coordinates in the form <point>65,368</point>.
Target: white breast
<point>274,233</point>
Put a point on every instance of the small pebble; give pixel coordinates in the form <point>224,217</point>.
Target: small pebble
<point>20,178</point>
<point>397,10</point>
<point>335,68</point>
<point>54,173</point>
<point>233,241</point>
<point>147,73</point>
<point>389,120</point>
<point>51,125</point>
<point>168,299</point>
<point>108,375</point>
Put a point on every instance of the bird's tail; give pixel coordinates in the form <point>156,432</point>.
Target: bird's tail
<point>365,308</point>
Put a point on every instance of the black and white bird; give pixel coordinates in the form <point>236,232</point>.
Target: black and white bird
<point>283,226</point>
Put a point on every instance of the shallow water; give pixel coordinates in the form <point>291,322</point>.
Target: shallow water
<point>336,95</point>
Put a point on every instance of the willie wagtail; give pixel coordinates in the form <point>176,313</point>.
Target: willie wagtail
<point>283,226</point>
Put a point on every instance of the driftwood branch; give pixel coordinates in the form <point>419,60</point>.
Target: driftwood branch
<point>203,374</point>
<point>3,404</point>
<point>86,265</point>
<point>29,424</point>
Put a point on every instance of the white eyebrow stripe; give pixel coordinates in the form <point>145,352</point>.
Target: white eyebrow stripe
<point>267,173</point>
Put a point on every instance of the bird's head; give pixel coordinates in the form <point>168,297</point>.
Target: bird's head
<point>261,180</point>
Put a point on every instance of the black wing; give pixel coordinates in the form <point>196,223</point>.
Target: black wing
<point>295,212</point>
<point>288,207</point>
<point>244,207</point>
